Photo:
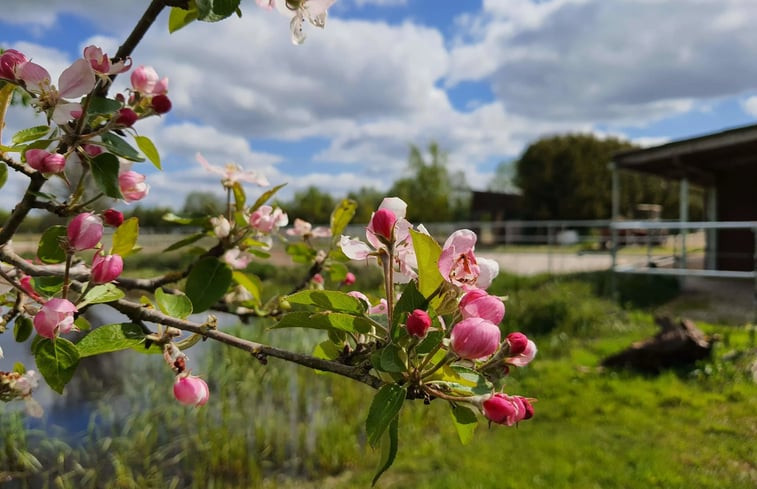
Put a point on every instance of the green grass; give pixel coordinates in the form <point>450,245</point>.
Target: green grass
<point>282,426</point>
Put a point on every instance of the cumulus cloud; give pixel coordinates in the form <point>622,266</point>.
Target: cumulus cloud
<point>750,106</point>
<point>620,61</point>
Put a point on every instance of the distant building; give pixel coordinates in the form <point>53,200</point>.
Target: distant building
<point>725,165</point>
<point>495,206</point>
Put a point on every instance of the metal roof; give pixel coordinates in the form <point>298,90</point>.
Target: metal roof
<point>700,159</point>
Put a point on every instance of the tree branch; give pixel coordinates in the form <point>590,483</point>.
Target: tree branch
<point>22,208</point>
<point>16,165</point>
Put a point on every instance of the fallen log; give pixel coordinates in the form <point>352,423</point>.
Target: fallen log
<point>678,344</point>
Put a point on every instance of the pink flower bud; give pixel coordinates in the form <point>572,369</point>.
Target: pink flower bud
<point>418,323</point>
<point>92,149</point>
<point>382,223</point>
<point>191,390</point>
<point>318,278</point>
<point>9,60</point>
<point>44,161</point>
<point>55,316</point>
<point>84,231</point>
<point>133,186</point>
<point>126,117</point>
<point>26,284</point>
<point>517,342</point>
<point>477,303</point>
<point>113,217</point>
<point>503,409</point>
<point>143,79</point>
<point>349,279</point>
<point>475,338</point>
<point>522,350</point>
<point>106,268</point>
<point>161,103</point>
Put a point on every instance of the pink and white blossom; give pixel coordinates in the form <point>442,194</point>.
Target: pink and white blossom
<point>306,230</point>
<point>191,390</point>
<point>458,263</point>
<point>44,161</point>
<point>522,350</point>
<point>84,231</point>
<point>56,316</point>
<point>267,219</point>
<point>132,186</point>
<point>478,303</point>
<point>232,173</point>
<point>145,80</point>
<point>106,268</point>
<point>378,309</point>
<point>101,64</point>
<point>237,258</point>
<point>475,338</point>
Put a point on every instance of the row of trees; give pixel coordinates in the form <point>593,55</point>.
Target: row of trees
<point>559,177</point>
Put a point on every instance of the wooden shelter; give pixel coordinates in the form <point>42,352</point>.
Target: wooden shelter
<point>725,165</point>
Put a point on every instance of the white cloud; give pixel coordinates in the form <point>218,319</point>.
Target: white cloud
<point>750,105</point>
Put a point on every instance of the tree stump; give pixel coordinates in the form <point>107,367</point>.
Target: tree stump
<point>678,344</point>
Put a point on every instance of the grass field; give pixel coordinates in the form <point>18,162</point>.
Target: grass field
<point>281,426</point>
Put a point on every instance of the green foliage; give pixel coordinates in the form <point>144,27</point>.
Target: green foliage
<point>199,203</point>
<point>3,174</point>
<point>312,205</point>
<point>341,216</point>
<point>207,282</point>
<point>22,328</point>
<point>384,409</point>
<point>568,177</point>
<point>175,305</point>
<point>109,338</point>
<point>427,251</point>
<point>105,167</point>
<point>465,421</point>
<point>119,147</point>
<point>49,249</point>
<point>332,300</point>
<point>100,294</point>
<point>125,237</point>
<point>432,194</point>
<point>147,147</point>
<point>56,361</point>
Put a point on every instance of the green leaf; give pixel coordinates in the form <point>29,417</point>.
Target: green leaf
<point>179,17</point>
<point>389,445</point>
<point>125,237</point>
<point>102,105</point>
<point>49,249</point>
<point>100,294</point>
<point>174,305</point>
<point>409,301</point>
<point>328,299</point>
<point>384,408</point>
<point>147,147</point>
<point>265,196</point>
<point>22,328</point>
<point>326,320</point>
<point>3,174</point>
<point>56,361</point>
<point>326,350</point>
<point>215,10</point>
<point>186,241</point>
<point>429,342</point>
<point>110,337</point>
<point>82,323</point>
<point>337,272</point>
<point>240,198</point>
<point>393,359</point>
<point>251,283</point>
<point>29,134</point>
<point>105,167</point>
<point>300,252</point>
<point>207,282</point>
<point>341,216</point>
<point>465,422</point>
<point>427,250</point>
<point>119,147</point>
<point>47,286</point>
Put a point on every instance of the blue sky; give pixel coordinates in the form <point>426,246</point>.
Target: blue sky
<point>483,78</point>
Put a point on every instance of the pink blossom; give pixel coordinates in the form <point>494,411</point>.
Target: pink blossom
<point>44,161</point>
<point>418,323</point>
<point>133,186</point>
<point>36,78</point>
<point>522,350</point>
<point>55,316</point>
<point>305,229</point>
<point>478,303</point>
<point>101,64</point>
<point>474,338</point>
<point>92,150</point>
<point>318,279</point>
<point>191,390</point>
<point>266,219</point>
<point>77,80</point>
<point>113,217</point>
<point>237,258</point>
<point>232,173</point>
<point>221,226</point>
<point>380,308</point>
<point>106,268</point>
<point>26,285</point>
<point>382,224</point>
<point>10,61</point>
<point>84,231</point>
<point>459,265</point>
<point>145,80</point>
<point>349,279</point>
<point>501,408</point>
<point>266,4</point>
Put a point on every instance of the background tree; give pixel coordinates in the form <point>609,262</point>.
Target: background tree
<point>368,199</point>
<point>199,203</point>
<point>432,193</point>
<point>567,177</point>
<point>312,205</point>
